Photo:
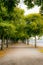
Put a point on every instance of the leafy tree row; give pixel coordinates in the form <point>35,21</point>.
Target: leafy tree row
<point>14,25</point>
<point>30,25</point>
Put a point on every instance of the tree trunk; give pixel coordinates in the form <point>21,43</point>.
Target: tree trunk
<point>26,41</point>
<point>7,43</point>
<point>2,43</point>
<point>35,41</point>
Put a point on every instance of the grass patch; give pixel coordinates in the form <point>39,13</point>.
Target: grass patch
<point>40,50</point>
<point>3,52</point>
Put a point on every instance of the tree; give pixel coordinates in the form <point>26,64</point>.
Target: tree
<point>28,28</point>
<point>9,4</point>
<point>6,31</point>
<point>6,8</point>
<point>34,25</point>
<point>31,3</point>
<point>19,22</point>
<point>17,16</point>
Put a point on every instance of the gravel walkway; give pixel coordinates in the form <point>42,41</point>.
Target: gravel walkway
<point>22,56</point>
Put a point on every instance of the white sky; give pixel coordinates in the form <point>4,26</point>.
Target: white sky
<point>33,10</point>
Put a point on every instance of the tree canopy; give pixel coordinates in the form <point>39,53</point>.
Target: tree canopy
<point>32,3</point>
<point>34,24</point>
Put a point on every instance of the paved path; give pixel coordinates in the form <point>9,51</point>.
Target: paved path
<point>22,56</point>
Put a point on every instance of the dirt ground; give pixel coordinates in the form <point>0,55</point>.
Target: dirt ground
<point>22,55</point>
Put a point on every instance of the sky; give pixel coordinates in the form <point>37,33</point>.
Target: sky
<point>28,11</point>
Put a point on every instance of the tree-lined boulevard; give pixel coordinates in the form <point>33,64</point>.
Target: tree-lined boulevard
<point>15,31</point>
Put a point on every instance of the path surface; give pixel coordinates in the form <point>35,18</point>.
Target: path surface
<point>22,56</point>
